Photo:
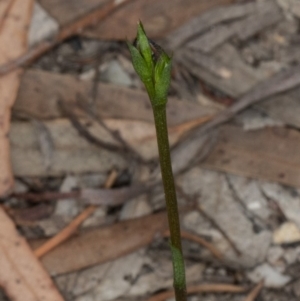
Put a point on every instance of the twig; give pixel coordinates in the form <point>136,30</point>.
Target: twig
<point>46,196</point>
<point>85,133</point>
<point>98,197</point>
<point>201,241</point>
<point>255,292</point>
<point>126,147</point>
<point>66,32</point>
<point>279,83</point>
<point>70,229</point>
<point>201,288</point>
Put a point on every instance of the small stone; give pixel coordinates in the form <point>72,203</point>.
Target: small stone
<point>92,180</point>
<point>88,75</point>
<point>254,120</point>
<point>207,102</point>
<point>42,25</point>
<point>68,184</point>
<point>291,255</point>
<point>96,219</point>
<point>19,187</point>
<point>286,233</point>
<point>119,277</point>
<point>115,74</point>
<point>67,207</point>
<point>274,254</point>
<point>195,222</point>
<point>288,199</point>
<point>272,277</point>
<point>86,297</point>
<point>51,226</point>
<point>250,194</point>
<point>135,208</point>
<point>217,200</point>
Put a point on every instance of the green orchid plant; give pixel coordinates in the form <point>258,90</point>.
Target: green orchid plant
<point>153,66</point>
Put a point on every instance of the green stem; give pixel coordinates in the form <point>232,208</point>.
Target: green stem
<point>171,200</point>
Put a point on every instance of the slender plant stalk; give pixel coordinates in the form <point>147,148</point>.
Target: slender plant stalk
<point>171,200</point>
<point>167,174</point>
<point>153,66</point>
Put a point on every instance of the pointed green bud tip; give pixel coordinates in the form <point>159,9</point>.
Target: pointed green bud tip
<point>152,65</point>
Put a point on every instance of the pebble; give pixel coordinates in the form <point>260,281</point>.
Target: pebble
<point>67,207</point>
<point>135,208</point>
<point>274,254</point>
<point>115,74</point>
<point>273,278</point>
<point>287,233</point>
<point>42,25</point>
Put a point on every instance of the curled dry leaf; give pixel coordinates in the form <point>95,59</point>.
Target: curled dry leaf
<point>10,48</point>
<point>21,274</point>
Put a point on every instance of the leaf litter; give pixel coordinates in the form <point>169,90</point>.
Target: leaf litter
<point>239,180</point>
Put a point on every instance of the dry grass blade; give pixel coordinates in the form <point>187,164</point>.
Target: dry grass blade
<point>255,292</point>
<point>201,288</point>
<point>73,226</point>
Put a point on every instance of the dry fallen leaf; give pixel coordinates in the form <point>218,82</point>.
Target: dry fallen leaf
<point>21,275</point>
<point>4,8</point>
<point>270,154</point>
<point>101,245</point>
<point>13,35</point>
<point>111,102</point>
<point>158,24</point>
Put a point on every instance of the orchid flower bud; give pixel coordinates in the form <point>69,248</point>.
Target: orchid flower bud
<point>152,65</point>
